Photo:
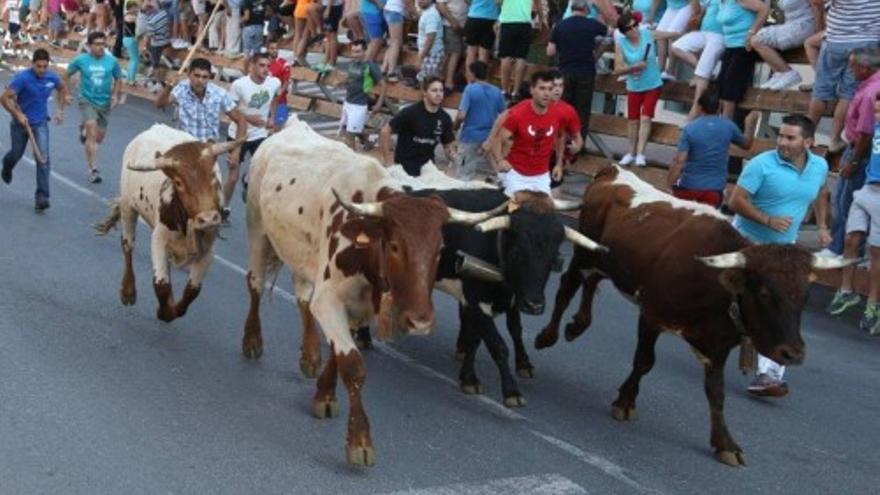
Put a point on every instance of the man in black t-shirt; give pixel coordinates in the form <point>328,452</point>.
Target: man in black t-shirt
<point>574,41</point>
<point>419,128</point>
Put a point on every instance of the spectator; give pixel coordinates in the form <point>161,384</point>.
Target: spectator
<point>636,56</point>
<point>303,29</point>
<point>531,130</point>
<point>233,27</point>
<point>671,26</point>
<point>374,25</point>
<point>420,127</point>
<point>100,85</point>
<point>279,68</point>
<point>771,199</point>
<point>708,42</point>
<point>574,40</point>
<point>253,16</point>
<point>864,220</point>
<point>200,104</point>
<point>332,16</point>
<point>256,95</point>
<point>699,169</point>
<point>515,40</point>
<point>740,20</point>
<point>430,41</point>
<point>479,30</point>
<point>454,13</point>
<point>199,9</point>
<point>859,130</point>
<point>800,24</point>
<point>26,100</point>
<point>159,31</point>
<point>481,104</point>
<point>814,43</point>
<point>850,24</point>
<point>363,74</point>
<point>217,25</point>
<point>353,19</point>
<point>130,42</point>
<point>395,12</point>
<point>52,11</point>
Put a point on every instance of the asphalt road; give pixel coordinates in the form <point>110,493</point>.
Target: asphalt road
<point>100,398</point>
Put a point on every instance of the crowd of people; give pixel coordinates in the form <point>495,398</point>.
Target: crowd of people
<point>519,134</point>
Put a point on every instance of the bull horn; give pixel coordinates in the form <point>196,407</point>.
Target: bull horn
<point>469,218</point>
<point>365,209</point>
<point>727,260</point>
<point>583,241</point>
<point>218,149</point>
<point>565,205</point>
<point>497,223</point>
<point>831,263</point>
<point>160,163</point>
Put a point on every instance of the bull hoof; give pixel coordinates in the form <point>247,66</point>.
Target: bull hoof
<point>621,413</point>
<point>526,372</point>
<point>166,313</point>
<point>325,408</point>
<point>574,330</point>
<point>361,456</point>
<point>128,298</point>
<point>308,367</point>
<point>734,459</point>
<point>546,339</point>
<point>472,388</point>
<point>252,348</point>
<point>459,355</point>
<point>515,401</point>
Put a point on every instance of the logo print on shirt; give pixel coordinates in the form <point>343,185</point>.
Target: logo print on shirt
<point>259,99</point>
<point>539,132</point>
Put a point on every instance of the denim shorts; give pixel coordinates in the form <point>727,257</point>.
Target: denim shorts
<point>834,78</point>
<point>375,26</point>
<point>393,17</point>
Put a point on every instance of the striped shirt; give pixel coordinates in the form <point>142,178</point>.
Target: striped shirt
<point>159,28</point>
<point>853,21</point>
<point>201,117</point>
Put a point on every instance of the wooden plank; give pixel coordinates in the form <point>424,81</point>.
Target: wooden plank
<point>328,108</point>
<point>300,103</point>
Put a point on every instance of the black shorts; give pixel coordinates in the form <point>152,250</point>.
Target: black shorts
<point>737,74</point>
<point>287,10</point>
<point>515,40</point>
<point>14,28</point>
<point>250,147</point>
<point>479,32</point>
<point>331,22</point>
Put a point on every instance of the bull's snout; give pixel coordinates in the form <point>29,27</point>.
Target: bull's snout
<point>531,307</point>
<point>207,220</point>
<point>418,323</point>
<point>788,354</point>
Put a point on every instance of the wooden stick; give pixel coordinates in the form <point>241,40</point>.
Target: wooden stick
<point>199,40</point>
<point>38,156</point>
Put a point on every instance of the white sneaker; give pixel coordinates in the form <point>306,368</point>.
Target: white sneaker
<point>771,83</point>
<point>836,145</point>
<point>621,78</point>
<point>667,76</point>
<point>640,161</point>
<point>627,159</point>
<point>787,80</point>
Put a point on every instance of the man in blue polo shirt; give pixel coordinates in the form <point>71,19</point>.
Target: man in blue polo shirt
<point>771,199</point>
<point>26,100</point>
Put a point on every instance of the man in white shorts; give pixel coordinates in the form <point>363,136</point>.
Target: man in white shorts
<point>362,77</point>
<point>702,49</point>
<point>673,23</point>
<point>800,24</point>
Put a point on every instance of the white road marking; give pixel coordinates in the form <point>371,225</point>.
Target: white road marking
<point>602,464</point>
<point>543,484</point>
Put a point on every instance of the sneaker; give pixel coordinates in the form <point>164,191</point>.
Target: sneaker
<point>640,161</point>
<point>771,83</point>
<point>95,177</point>
<point>667,76</point>
<point>870,321</point>
<point>787,80</point>
<point>836,145</point>
<point>41,204</point>
<point>764,386</point>
<point>842,301</point>
<point>6,174</point>
<point>627,159</point>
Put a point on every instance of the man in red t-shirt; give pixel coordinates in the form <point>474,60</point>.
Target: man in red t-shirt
<point>573,142</point>
<point>279,68</point>
<point>533,130</point>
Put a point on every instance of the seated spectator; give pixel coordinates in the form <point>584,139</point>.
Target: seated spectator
<point>420,127</point>
<point>233,28</point>
<point>864,221</point>
<point>353,20</point>
<point>374,26</point>
<point>859,130</point>
<point>303,30</point>
<point>479,30</point>
<point>672,25</point>
<point>699,169</point>
<point>514,42</point>
<point>740,20</point>
<point>850,24</point>
<point>332,16</point>
<point>430,41</point>
<point>395,11</point>
<point>253,16</point>
<point>635,56</point>
<point>707,43</point>
<point>813,44</point>
<point>574,40</point>
<point>800,24</point>
<point>481,103</point>
<point>454,13</point>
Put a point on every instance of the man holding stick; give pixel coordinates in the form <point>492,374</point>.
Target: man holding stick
<point>26,100</point>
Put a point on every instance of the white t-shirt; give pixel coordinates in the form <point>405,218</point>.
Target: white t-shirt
<point>458,9</point>
<point>429,22</point>
<point>13,7</point>
<point>253,100</point>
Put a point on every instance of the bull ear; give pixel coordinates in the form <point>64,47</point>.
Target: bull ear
<point>733,280</point>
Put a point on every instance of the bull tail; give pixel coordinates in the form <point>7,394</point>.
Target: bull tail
<point>110,221</point>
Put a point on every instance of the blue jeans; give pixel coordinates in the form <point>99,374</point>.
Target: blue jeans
<point>19,137</point>
<point>131,46</point>
<point>842,199</point>
<point>251,39</point>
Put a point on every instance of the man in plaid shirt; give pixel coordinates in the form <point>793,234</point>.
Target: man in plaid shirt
<point>200,104</point>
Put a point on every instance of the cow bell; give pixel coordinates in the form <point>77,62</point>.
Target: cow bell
<point>468,266</point>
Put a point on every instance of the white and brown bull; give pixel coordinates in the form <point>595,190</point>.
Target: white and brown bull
<point>172,181</point>
<point>355,243</point>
